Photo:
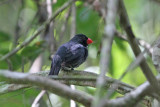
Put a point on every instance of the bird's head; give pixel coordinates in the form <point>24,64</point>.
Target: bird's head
<point>82,39</point>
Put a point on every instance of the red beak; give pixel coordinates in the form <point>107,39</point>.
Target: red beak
<point>89,41</point>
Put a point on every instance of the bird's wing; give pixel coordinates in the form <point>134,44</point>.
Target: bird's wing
<point>76,54</point>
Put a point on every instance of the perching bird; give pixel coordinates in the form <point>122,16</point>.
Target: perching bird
<point>71,54</point>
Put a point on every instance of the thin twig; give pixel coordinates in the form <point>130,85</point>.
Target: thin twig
<point>37,99</point>
<point>49,99</point>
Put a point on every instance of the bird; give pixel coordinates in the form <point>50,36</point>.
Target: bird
<point>71,54</point>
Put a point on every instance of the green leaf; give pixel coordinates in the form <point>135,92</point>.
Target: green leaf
<point>31,52</point>
<point>3,65</point>
<point>16,61</point>
<point>4,37</point>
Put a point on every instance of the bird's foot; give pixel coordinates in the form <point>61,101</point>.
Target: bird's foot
<point>66,69</point>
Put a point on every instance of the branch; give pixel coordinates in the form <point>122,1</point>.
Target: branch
<point>156,1</point>
<point>156,55</point>
<point>81,78</point>
<point>37,32</point>
<point>4,2</point>
<point>132,98</point>
<point>106,49</point>
<point>129,99</point>
<point>131,37</point>
<point>47,84</point>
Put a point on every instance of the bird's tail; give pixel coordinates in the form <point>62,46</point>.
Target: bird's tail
<point>56,65</point>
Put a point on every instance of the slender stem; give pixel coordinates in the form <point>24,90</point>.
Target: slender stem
<point>106,50</point>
